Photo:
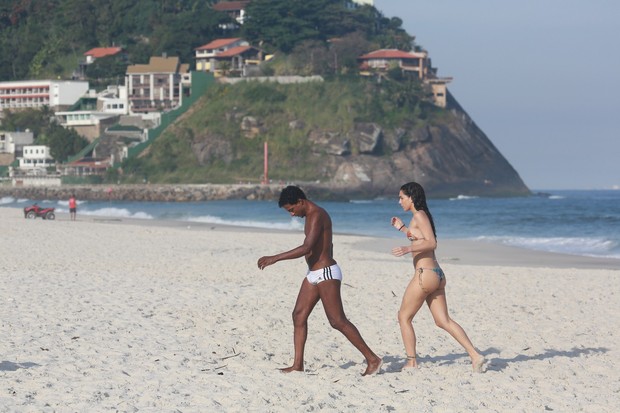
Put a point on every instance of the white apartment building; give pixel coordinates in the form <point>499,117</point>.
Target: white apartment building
<point>36,157</point>
<point>25,94</point>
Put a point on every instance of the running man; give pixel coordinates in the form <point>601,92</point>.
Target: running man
<point>322,282</point>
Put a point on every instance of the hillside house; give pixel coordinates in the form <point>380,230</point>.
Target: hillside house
<point>99,52</point>
<point>223,56</point>
<point>14,142</point>
<point>12,145</point>
<point>95,112</point>
<point>157,86</point>
<point>234,9</point>
<point>416,64</point>
<point>36,159</point>
<point>95,53</point>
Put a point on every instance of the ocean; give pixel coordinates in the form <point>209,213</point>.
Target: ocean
<point>578,222</point>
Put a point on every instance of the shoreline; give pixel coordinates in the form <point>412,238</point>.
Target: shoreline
<point>449,251</point>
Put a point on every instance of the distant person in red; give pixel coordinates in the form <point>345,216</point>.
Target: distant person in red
<point>72,207</point>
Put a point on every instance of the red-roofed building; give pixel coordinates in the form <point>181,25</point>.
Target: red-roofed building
<point>99,52</point>
<point>232,54</point>
<point>234,9</point>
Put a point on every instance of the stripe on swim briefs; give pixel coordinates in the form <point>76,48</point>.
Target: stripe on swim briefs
<point>327,273</point>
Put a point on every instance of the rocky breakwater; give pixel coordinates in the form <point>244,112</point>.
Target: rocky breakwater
<point>148,192</point>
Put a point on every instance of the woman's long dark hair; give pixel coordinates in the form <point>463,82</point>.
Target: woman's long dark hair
<point>416,192</point>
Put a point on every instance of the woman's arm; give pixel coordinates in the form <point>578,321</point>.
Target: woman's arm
<point>420,244</point>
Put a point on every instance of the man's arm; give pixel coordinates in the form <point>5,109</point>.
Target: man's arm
<point>313,225</point>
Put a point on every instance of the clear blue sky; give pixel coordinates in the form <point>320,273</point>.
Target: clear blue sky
<point>540,77</point>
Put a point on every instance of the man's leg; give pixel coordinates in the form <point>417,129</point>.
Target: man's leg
<point>329,292</point>
<point>306,300</point>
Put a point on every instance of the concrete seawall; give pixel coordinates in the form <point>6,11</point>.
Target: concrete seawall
<point>168,193</point>
<point>150,192</point>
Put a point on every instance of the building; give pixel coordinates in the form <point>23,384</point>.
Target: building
<point>157,86</point>
<point>13,142</point>
<point>417,64</point>
<point>93,113</point>
<point>56,94</point>
<point>36,158</point>
<point>206,54</point>
<point>226,56</point>
<point>234,9</point>
<point>99,52</point>
<point>354,4</point>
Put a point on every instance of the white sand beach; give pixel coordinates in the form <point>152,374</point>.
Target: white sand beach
<point>138,316</point>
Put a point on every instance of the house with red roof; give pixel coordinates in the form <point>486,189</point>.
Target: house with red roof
<point>99,52</point>
<point>222,56</point>
<point>234,9</point>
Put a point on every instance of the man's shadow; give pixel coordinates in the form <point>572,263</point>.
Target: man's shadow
<point>10,366</point>
<point>393,364</point>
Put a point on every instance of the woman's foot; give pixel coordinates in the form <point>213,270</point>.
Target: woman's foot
<point>479,364</point>
<point>410,365</point>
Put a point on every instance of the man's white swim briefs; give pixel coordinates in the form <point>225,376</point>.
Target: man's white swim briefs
<point>329,273</point>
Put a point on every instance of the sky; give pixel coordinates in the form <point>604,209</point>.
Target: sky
<point>541,78</point>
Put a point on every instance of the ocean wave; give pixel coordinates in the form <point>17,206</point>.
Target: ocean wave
<point>7,200</point>
<point>586,246</point>
<point>293,224</point>
<point>112,212</point>
<point>464,197</point>
<point>556,197</point>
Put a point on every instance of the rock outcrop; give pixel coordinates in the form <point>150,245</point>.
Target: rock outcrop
<point>449,158</point>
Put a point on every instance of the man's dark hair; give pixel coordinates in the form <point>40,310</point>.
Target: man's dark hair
<point>290,196</point>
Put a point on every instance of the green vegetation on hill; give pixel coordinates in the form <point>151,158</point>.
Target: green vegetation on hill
<point>209,145</point>
<point>47,38</point>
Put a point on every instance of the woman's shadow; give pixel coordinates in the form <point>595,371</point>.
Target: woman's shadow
<point>393,364</point>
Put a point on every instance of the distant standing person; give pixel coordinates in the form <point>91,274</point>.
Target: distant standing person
<point>72,207</point>
<point>429,281</point>
<point>322,281</point>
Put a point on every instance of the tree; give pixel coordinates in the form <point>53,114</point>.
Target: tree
<point>62,142</point>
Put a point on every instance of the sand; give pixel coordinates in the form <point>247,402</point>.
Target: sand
<point>139,316</point>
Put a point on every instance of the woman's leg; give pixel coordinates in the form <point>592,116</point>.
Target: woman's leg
<point>412,301</point>
<point>439,309</point>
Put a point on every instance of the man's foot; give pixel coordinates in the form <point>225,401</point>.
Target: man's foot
<point>374,366</point>
<point>479,364</point>
<point>290,369</point>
